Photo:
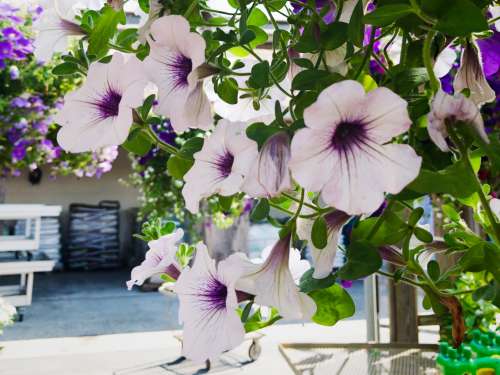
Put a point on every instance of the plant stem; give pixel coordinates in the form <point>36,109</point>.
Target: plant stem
<point>426,54</point>
<point>403,279</point>
<point>297,200</point>
<point>191,8</point>
<point>162,145</point>
<point>299,208</point>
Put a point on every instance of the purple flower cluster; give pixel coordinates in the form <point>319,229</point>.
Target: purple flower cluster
<point>14,45</point>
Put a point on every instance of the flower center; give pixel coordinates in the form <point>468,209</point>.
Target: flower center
<point>348,135</point>
<point>108,104</point>
<point>213,294</point>
<point>224,164</point>
<point>180,66</point>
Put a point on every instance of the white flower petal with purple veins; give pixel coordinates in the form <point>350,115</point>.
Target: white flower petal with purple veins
<point>244,109</point>
<point>273,284</point>
<point>269,175</point>
<point>57,24</point>
<point>323,259</point>
<point>221,165</point>
<point>471,76</point>
<point>444,61</point>
<point>495,207</point>
<point>99,113</point>
<point>160,258</point>
<point>172,64</point>
<point>208,305</point>
<point>343,151</point>
<point>450,109</point>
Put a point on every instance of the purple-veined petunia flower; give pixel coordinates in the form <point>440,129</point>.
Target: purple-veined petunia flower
<point>323,259</point>
<point>273,284</point>
<point>221,165</point>
<point>344,152</point>
<point>269,175</point>
<point>471,76</point>
<point>56,25</point>
<point>172,64</point>
<point>160,258</point>
<point>450,109</point>
<point>99,113</point>
<point>208,303</point>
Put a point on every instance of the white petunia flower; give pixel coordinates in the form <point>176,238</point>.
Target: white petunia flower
<point>221,165</point>
<point>448,108</point>
<point>269,175</point>
<point>172,64</point>
<point>444,61</point>
<point>273,284</point>
<point>208,305</point>
<point>244,109</point>
<point>160,258</point>
<point>323,259</point>
<point>99,113</point>
<point>344,152</point>
<point>471,76</point>
<point>495,207</point>
<point>57,24</point>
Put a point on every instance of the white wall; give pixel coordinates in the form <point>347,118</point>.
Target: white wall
<point>66,190</point>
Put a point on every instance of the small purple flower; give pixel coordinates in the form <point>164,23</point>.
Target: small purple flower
<point>11,33</point>
<point>490,53</point>
<point>346,284</point>
<point>5,49</point>
<point>447,84</point>
<point>14,72</point>
<point>19,102</point>
<point>19,150</point>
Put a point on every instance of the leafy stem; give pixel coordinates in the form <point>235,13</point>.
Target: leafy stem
<point>426,54</point>
<point>162,145</point>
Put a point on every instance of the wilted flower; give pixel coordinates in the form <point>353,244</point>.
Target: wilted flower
<point>160,258</point>
<point>391,255</point>
<point>344,152</point>
<point>208,305</point>
<point>449,109</point>
<point>99,113</point>
<point>221,165</point>
<point>471,76</point>
<point>323,259</point>
<point>273,284</point>
<point>172,64</point>
<point>269,175</point>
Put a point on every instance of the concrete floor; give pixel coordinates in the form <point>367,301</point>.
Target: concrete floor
<point>74,304</point>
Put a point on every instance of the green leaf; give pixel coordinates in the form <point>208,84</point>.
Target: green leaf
<point>65,68</point>
<point>261,210</point>
<point>137,143</point>
<point>190,147</point>
<point>146,106</point>
<point>334,35</point>
<point>260,132</point>
<point>423,235</point>
<point>356,29</point>
<point>225,202</point>
<point>308,283</point>
<point>247,36</point>
<point>104,30</point>
<point>385,15</point>
<point>257,18</point>
<point>228,90</point>
<point>308,41</point>
<point>319,233</point>
<point>255,322</point>
<point>415,216</point>
<point>314,79</point>
<point>461,18</point>
<point>363,259</point>
<point>433,270</point>
<point>177,167</point>
<point>259,77</point>
<point>454,180</point>
<point>333,304</point>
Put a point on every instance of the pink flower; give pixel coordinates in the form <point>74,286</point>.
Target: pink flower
<point>344,152</point>
<point>160,258</point>
<point>208,305</point>
<point>450,109</point>
<point>221,165</point>
<point>269,175</point>
<point>172,64</point>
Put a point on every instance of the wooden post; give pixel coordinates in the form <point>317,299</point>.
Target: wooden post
<point>403,313</point>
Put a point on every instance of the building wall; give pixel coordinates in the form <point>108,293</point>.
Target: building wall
<point>66,190</point>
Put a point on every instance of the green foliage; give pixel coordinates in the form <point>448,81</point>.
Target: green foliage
<point>333,304</point>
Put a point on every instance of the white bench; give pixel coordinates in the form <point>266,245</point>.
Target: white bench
<point>21,294</point>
